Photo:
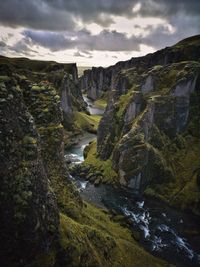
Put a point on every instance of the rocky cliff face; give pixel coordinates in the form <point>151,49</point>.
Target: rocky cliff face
<point>29,212</point>
<point>43,221</point>
<point>34,184</point>
<point>64,77</point>
<point>150,122</point>
<point>71,100</point>
<point>97,81</point>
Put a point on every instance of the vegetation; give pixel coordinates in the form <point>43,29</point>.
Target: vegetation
<point>100,103</point>
<point>95,240</point>
<point>86,122</point>
<point>109,175</point>
<point>34,65</point>
<point>39,201</point>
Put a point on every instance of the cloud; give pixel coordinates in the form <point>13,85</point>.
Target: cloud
<point>36,14</point>
<point>61,15</point>
<point>2,44</point>
<point>83,40</point>
<point>57,25</point>
<point>52,40</point>
<point>22,46</point>
<point>161,36</point>
<point>169,8</point>
<point>82,54</point>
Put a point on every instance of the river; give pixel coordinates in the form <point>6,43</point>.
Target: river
<point>163,231</point>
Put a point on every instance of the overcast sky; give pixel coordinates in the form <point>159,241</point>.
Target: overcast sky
<point>94,32</point>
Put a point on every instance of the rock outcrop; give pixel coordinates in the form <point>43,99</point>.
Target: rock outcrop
<point>71,100</point>
<point>42,218</point>
<point>150,121</point>
<point>29,213</point>
<point>97,81</point>
<point>34,184</point>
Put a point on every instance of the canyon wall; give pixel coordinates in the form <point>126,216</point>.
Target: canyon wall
<point>97,81</point>
<point>150,129</point>
<point>34,185</point>
<point>43,220</point>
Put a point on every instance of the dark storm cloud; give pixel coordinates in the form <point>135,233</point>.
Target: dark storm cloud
<point>52,40</point>
<point>83,40</point>
<point>53,24</point>
<point>168,8</point>
<point>160,36</point>
<point>2,44</point>
<point>61,14</point>
<point>37,14</point>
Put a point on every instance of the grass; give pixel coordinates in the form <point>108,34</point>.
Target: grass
<point>184,192</point>
<point>98,241</point>
<point>110,175</point>
<point>87,122</point>
<point>100,103</point>
<point>95,240</point>
<point>4,78</point>
<point>34,65</point>
<point>122,103</point>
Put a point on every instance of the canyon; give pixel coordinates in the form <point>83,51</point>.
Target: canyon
<point>127,134</point>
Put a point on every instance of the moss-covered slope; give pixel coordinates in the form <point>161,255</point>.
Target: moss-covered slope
<point>28,210</point>
<point>150,130</point>
<point>43,220</point>
<point>99,81</point>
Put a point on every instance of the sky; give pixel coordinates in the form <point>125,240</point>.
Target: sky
<point>94,32</point>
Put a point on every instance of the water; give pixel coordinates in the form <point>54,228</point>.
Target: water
<point>92,109</point>
<point>75,153</point>
<point>163,231</point>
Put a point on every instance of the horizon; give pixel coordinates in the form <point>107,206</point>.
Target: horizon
<point>88,67</point>
<point>94,34</point>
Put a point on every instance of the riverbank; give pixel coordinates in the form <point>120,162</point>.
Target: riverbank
<point>162,231</point>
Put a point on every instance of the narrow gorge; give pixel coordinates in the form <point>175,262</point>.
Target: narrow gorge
<point>101,170</point>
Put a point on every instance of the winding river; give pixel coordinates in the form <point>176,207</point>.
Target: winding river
<point>163,231</point>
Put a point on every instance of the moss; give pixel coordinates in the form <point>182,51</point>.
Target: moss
<point>87,122</point>
<point>100,103</point>
<point>29,140</point>
<point>122,103</point>
<point>4,78</point>
<point>44,260</point>
<point>50,128</point>
<point>38,88</point>
<point>191,41</point>
<point>57,97</point>
<point>184,161</point>
<point>109,174</point>
<point>98,241</point>
<point>186,164</point>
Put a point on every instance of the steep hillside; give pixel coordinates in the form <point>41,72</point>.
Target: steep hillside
<point>43,220</point>
<point>150,132</point>
<point>98,81</point>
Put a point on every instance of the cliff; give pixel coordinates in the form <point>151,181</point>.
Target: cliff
<point>97,81</point>
<point>43,220</point>
<point>64,77</point>
<point>150,129</point>
<point>29,213</point>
